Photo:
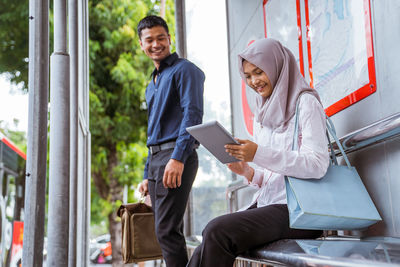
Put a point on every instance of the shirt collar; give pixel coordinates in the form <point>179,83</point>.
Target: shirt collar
<point>168,61</point>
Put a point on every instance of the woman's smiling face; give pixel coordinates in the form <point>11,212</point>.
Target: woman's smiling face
<point>257,79</point>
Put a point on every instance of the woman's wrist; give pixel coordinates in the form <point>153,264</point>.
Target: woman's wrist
<point>249,174</point>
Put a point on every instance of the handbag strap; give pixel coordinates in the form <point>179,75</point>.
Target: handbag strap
<point>332,151</point>
<point>330,129</point>
<point>295,144</point>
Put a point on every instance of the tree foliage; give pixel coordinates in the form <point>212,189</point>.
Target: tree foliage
<point>16,136</point>
<point>119,74</point>
<point>14,36</point>
<point>117,82</point>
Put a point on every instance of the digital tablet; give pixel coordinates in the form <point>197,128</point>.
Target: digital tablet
<point>214,137</point>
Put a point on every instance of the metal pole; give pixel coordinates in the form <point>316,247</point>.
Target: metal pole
<point>85,88</point>
<point>180,22</point>
<point>60,26</point>
<point>74,85</point>
<point>37,133</point>
<point>58,223</point>
<point>233,175</point>
<point>83,189</point>
<point>180,37</point>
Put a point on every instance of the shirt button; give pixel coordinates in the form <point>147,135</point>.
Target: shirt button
<point>156,89</point>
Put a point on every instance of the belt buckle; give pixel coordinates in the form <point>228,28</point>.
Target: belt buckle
<point>154,149</point>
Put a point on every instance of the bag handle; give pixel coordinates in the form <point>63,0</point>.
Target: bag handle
<point>142,198</point>
<point>332,151</point>
<point>330,129</point>
<point>295,144</point>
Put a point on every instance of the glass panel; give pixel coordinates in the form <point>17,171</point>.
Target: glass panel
<point>207,48</point>
<point>283,27</point>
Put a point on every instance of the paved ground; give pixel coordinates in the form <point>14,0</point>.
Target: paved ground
<point>148,264</point>
<point>91,265</point>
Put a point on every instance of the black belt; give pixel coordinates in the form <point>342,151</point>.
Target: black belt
<point>158,148</point>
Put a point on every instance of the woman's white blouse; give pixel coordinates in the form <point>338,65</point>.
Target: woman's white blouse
<point>274,157</point>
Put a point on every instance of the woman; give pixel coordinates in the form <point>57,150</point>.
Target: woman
<point>270,69</point>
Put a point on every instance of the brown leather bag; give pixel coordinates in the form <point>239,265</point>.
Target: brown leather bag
<point>139,242</point>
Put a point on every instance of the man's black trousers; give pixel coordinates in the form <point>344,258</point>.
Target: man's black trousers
<point>169,206</point>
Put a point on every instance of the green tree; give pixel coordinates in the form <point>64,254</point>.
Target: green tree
<point>119,74</point>
<point>14,36</point>
<point>17,137</point>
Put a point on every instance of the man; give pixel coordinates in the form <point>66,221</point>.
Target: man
<point>174,99</point>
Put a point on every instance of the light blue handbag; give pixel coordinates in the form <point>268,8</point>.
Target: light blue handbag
<point>337,201</point>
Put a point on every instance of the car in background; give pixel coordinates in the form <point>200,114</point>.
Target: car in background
<point>100,249</point>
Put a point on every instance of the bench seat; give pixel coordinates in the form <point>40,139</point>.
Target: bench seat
<point>330,251</point>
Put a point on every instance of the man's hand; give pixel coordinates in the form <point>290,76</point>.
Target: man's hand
<point>244,152</point>
<point>144,187</point>
<point>173,174</point>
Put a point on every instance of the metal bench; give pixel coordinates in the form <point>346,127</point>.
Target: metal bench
<point>329,250</point>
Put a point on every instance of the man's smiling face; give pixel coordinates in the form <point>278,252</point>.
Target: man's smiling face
<point>155,42</point>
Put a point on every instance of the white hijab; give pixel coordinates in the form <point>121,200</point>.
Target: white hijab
<point>287,82</point>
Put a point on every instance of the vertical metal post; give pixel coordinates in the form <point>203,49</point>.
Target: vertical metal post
<point>180,37</point>
<point>74,85</point>
<point>37,133</point>
<point>85,48</point>
<point>83,149</point>
<point>233,175</point>
<point>58,222</point>
<point>180,24</point>
<point>88,177</point>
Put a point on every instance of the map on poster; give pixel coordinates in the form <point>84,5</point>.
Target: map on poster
<point>338,48</point>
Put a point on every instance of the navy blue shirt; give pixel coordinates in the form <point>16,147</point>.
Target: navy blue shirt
<point>174,102</point>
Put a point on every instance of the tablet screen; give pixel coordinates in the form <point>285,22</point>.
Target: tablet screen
<point>214,137</point>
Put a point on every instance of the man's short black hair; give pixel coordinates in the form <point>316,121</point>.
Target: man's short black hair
<point>150,22</point>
